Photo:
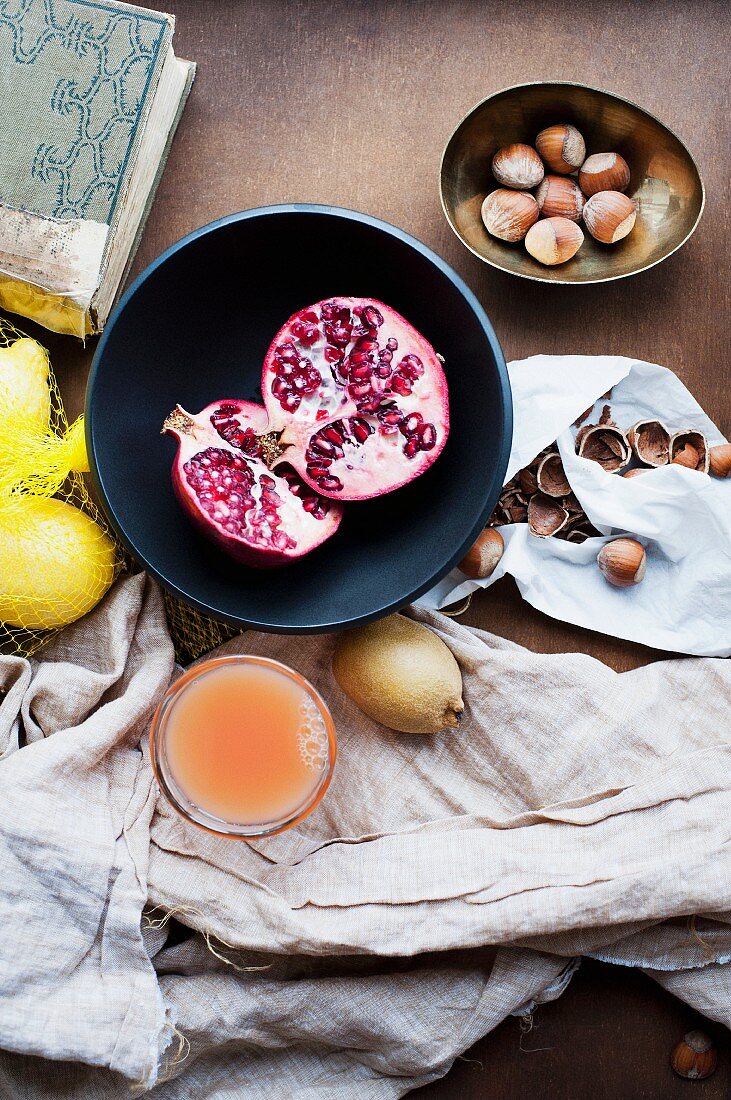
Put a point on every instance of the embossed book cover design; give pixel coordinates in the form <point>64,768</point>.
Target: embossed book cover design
<point>78,81</point>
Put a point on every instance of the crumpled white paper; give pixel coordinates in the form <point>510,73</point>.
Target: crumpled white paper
<point>683,518</point>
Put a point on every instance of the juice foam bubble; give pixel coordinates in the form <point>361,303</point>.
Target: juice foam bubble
<point>312,739</point>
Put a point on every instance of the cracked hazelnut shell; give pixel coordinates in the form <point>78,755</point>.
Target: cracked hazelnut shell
<point>650,441</point>
<point>606,444</point>
<point>546,516</point>
<point>689,448</point>
<point>551,478</point>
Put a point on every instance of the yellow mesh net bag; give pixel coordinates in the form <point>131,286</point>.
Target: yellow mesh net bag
<point>58,555</point>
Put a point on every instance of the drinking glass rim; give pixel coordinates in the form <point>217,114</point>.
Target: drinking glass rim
<point>176,797</point>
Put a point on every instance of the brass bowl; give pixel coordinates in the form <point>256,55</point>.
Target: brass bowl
<point>665,180</point>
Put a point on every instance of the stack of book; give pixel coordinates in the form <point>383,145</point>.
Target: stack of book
<point>91,94</point>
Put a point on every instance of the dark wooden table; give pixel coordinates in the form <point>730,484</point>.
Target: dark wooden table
<point>351,102</point>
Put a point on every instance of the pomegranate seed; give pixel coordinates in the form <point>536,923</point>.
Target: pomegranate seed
<point>361,371</point>
<point>361,429</point>
<point>372,316</point>
<point>332,434</point>
<point>279,386</point>
<point>359,389</point>
<point>391,418</point>
<point>332,355</point>
<point>367,343</point>
<point>321,414</point>
<point>330,484</point>
<point>309,316</point>
<point>359,356</point>
<point>411,424</point>
<point>400,385</point>
<point>428,437</point>
<point>287,353</point>
<point>325,447</point>
<point>411,446</point>
<point>291,402</point>
<point>392,343</point>
<point>411,367</point>
<point>385,355</point>
<point>318,471</point>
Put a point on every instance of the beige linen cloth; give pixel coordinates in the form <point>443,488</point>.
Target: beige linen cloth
<point>576,812</point>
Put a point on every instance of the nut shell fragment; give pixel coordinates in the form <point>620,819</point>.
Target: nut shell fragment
<point>546,516</point>
<point>689,448</point>
<point>551,477</point>
<point>606,444</point>
<point>650,440</point>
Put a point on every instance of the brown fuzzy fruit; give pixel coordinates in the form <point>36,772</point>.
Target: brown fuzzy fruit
<point>554,241</point>
<point>610,216</point>
<point>623,562</point>
<point>604,172</point>
<point>517,166</point>
<point>560,197</point>
<point>561,148</point>
<point>400,674</point>
<point>509,215</point>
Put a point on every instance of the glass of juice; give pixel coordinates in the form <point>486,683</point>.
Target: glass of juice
<point>243,746</point>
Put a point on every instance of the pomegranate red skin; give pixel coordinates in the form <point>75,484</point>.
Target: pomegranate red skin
<point>356,366</point>
<point>196,435</point>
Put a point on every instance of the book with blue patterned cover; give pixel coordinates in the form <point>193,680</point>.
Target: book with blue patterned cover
<point>90,93</point>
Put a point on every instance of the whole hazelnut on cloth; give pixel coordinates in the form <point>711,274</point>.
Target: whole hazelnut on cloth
<point>554,241</point>
<point>609,216</point>
<point>517,166</point>
<point>623,562</point>
<point>695,1056</point>
<point>720,460</point>
<point>559,197</point>
<point>604,172</point>
<point>509,215</point>
<point>482,558</point>
<point>561,148</point>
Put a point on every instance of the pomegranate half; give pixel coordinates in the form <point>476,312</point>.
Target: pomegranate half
<point>261,517</point>
<point>355,406</point>
<point>358,397</point>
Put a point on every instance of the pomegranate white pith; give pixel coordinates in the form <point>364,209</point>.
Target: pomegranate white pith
<point>358,396</point>
<point>259,516</point>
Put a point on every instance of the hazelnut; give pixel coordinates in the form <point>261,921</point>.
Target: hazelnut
<point>637,470</point>
<point>603,172</point>
<point>482,558</point>
<point>517,166</point>
<point>609,216</point>
<point>554,240</point>
<point>686,455</point>
<point>561,148</point>
<point>623,562</point>
<point>695,1056</point>
<point>559,197</point>
<point>720,460</point>
<point>509,215</point>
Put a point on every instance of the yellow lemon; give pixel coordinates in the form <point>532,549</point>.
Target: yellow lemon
<point>24,390</point>
<point>76,448</point>
<point>56,563</point>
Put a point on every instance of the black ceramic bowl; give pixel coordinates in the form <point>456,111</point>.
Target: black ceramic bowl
<point>195,326</point>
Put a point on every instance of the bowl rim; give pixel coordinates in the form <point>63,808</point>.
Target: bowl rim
<point>590,88</point>
<point>503,385</point>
